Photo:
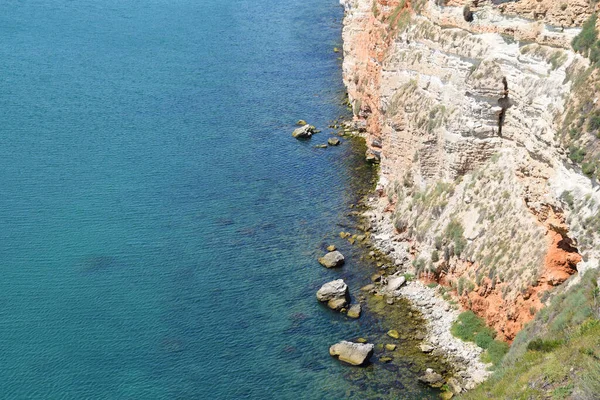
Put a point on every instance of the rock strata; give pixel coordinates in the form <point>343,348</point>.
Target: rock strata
<point>352,353</point>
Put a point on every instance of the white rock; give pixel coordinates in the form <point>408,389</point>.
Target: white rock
<point>332,290</point>
<point>352,353</point>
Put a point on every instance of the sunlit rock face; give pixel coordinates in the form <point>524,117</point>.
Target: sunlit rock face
<point>464,117</point>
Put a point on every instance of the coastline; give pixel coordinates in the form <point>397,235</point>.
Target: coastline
<point>438,313</point>
<point>466,370</point>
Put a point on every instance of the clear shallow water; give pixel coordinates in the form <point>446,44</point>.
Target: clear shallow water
<point>159,224</point>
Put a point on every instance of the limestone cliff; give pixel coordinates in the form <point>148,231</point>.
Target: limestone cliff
<point>465,107</point>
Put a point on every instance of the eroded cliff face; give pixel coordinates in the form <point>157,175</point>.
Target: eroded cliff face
<point>464,117</point>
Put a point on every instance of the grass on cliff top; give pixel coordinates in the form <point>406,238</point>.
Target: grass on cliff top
<point>471,328</point>
<point>557,355</point>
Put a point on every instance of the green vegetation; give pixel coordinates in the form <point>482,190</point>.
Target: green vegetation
<point>399,17</point>
<point>471,328</point>
<point>374,9</point>
<point>555,356</point>
<point>588,168</point>
<point>567,197</point>
<point>436,117</point>
<point>409,277</point>
<point>543,345</point>
<point>587,42</point>
<point>594,123</point>
<point>576,154</point>
<point>557,59</point>
<point>454,233</point>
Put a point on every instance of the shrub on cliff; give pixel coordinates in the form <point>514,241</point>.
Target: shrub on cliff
<point>454,233</point>
<point>556,355</point>
<point>468,326</point>
<point>471,328</point>
<point>586,42</point>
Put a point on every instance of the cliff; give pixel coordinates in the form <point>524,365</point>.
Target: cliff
<point>470,110</point>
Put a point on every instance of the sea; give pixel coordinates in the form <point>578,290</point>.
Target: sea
<point>159,226</point>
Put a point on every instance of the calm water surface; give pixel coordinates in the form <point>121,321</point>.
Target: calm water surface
<point>159,224</point>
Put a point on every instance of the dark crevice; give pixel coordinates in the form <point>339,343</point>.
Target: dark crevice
<point>504,103</point>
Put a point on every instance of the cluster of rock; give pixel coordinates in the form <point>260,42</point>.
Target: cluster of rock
<point>336,295</point>
<point>439,314</point>
<point>306,131</point>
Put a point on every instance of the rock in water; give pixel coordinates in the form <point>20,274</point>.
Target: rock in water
<point>334,293</point>
<point>331,290</point>
<point>338,304</point>
<point>393,334</point>
<point>354,311</point>
<point>301,122</point>
<point>332,259</point>
<point>432,378</point>
<point>331,248</point>
<point>352,353</point>
<point>304,132</point>
<point>333,141</point>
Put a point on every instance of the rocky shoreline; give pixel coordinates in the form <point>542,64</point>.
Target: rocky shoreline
<point>381,237</point>
<point>439,314</point>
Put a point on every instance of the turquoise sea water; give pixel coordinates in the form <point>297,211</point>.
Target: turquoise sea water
<point>159,225</point>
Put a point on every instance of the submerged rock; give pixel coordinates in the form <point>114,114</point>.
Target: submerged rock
<point>321,146</point>
<point>426,348</point>
<point>432,378</point>
<point>332,259</point>
<point>304,132</point>
<point>390,347</point>
<point>354,311</point>
<point>334,293</point>
<point>301,122</point>
<point>393,334</point>
<point>367,288</point>
<point>352,353</point>
<point>331,248</point>
<point>338,304</point>
<point>333,141</point>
